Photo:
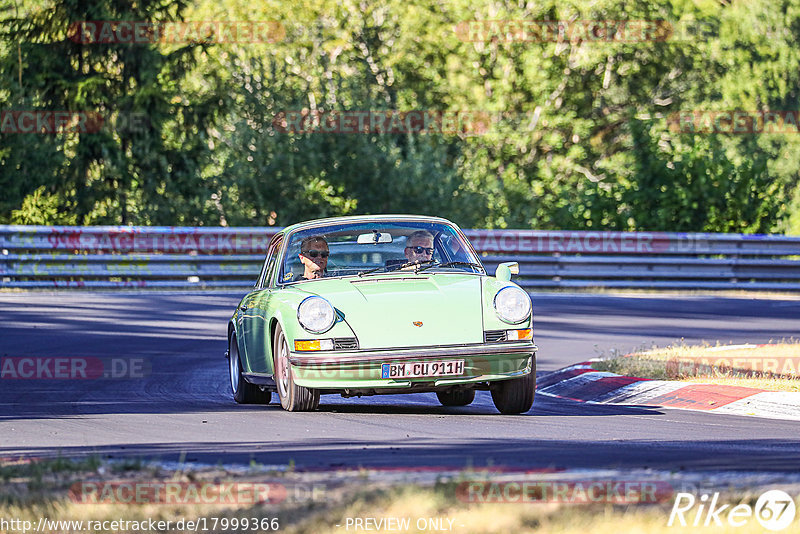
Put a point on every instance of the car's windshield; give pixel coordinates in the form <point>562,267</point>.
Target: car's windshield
<point>375,247</point>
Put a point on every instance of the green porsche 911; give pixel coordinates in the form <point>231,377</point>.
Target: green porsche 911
<point>384,304</point>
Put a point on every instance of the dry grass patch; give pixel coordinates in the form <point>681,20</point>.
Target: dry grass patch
<point>428,507</point>
<point>774,367</point>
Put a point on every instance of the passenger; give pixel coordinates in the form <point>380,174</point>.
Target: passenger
<point>314,257</point>
<point>419,247</point>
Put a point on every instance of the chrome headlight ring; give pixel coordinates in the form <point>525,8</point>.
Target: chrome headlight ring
<point>316,315</point>
<point>512,305</point>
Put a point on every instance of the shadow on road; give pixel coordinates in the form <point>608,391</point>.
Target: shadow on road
<point>695,455</point>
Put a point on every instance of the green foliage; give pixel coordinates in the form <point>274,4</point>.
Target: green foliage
<point>689,183</point>
<point>41,208</point>
<point>143,165</point>
<point>579,135</point>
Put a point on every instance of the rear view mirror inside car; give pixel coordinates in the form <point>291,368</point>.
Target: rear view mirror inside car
<point>374,238</point>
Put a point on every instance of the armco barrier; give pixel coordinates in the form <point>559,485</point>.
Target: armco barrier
<point>188,257</point>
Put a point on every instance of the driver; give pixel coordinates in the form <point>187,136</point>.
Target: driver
<point>419,247</point>
<point>314,257</point>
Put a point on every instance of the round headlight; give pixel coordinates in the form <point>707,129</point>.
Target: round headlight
<point>316,315</point>
<point>512,304</point>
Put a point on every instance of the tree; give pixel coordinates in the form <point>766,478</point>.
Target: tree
<point>141,159</point>
<point>580,134</point>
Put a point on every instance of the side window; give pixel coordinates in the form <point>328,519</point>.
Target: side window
<point>269,263</point>
<point>452,249</point>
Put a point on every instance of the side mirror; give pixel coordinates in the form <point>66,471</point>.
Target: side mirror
<point>505,270</point>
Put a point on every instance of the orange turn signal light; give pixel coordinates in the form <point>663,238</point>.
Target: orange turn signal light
<point>313,344</point>
<point>306,344</point>
<point>519,335</point>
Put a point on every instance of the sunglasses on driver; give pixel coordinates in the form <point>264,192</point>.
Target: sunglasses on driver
<point>315,253</point>
<point>420,250</point>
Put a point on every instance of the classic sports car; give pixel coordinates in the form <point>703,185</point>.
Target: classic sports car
<point>380,305</point>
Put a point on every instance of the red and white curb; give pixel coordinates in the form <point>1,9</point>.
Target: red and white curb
<point>582,383</point>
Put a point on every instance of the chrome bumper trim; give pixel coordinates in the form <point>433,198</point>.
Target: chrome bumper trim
<point>369,356</point>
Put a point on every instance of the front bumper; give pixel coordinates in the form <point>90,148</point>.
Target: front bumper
<point>361,369</point>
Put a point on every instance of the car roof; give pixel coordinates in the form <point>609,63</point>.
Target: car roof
<point>365,218</point>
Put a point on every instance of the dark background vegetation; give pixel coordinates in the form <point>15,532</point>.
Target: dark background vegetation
<point>581,138</point>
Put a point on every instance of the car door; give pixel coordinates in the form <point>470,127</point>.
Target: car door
<point>254,319</point>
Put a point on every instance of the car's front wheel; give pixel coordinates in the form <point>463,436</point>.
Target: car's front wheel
<point>515,396</point>
<point>456,397</point>
<point>243,391</point>
<point>293,398</point>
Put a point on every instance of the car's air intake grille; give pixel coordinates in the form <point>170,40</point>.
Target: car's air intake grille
<point>345,343</point>
<point>494,336</point>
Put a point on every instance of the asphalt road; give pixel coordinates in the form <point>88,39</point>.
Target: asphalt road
<point>178,405</point>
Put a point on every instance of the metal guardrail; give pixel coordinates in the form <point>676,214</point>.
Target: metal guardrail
<point>189,257</point>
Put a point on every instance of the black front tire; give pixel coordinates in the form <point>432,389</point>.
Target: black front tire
<point>293,398</point>
<point>456,397</point>
<point>243,391</point>
<point>515,396</point>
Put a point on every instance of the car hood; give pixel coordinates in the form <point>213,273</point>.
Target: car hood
<point>412,310</point>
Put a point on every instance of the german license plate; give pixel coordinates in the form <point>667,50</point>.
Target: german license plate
<point>422,369</point>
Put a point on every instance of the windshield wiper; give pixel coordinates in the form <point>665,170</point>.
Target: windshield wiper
<point>392,268</point>
<point>362,273</point>
<point>449,263</point>
<point>411,264</point>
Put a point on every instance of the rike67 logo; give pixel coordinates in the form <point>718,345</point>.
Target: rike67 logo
<point>774,510</point>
